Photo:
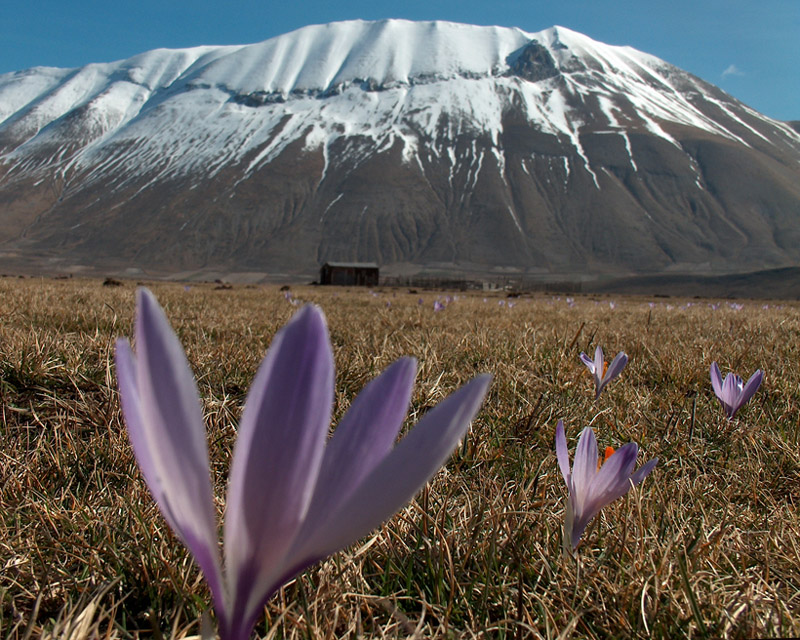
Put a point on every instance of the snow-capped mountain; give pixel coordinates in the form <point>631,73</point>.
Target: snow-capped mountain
<point>433,144</point>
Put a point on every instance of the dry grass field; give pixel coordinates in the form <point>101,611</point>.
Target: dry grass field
<point>707,546</point>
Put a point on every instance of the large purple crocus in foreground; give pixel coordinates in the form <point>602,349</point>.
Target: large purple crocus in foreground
<point>294,496</point>
<point>597,368</point>
<point>732,392</point>
<point>591,489</point>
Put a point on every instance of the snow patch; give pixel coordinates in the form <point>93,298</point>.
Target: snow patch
<point>516,221</point>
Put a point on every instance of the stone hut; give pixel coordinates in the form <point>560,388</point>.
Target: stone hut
<point>358,274</point>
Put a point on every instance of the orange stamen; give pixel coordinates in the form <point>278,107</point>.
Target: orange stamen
<point>608,453</point>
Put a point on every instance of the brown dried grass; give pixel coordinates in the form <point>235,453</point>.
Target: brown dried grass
<point>706,547</point>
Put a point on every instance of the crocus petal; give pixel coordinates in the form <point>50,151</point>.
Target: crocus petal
<point>569,540</point>
<point>599,364</point>
<point>561,452</point>
<point>616,367</point>
<point>277,456</point>
<point>129,398</point>
<point>643,471</point>
<point>612,481</point>
<point>750,388</point>
<point>362,440</point>
<point>587,361</point>
<point>401,474</point>
<point>731,389</point>
<point>165,422</point>
<point>584,468</point>
<point>173,420</point>
<point>716,380</point>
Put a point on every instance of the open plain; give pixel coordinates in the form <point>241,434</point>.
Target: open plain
<point>707,546</point>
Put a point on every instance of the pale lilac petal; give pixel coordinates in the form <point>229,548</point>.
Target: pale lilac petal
<point>129,398</point>
<point>584,468</point>
<point>173,422</point>
<point>612,481</point>
<point>277,455</point>
<point>362,440</point>
<point>616,367</point>
<point>401,475</point>
<point>599,363</point>
<point>165,422</point>
<point>588,362</point>
<point>750,388</point>
<point>716,380</point>
<point>561,452</point>
<point>170,410</point>
<point>643,471</point>
<point>573,529</point>
<point>731,388</point>
<point>598,366</point>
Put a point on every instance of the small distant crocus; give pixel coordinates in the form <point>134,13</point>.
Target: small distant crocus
<point>597,368</point>
<point>293,499</point>
<point>592,486</point>
<point>732,392</point>
<point>438,306</point>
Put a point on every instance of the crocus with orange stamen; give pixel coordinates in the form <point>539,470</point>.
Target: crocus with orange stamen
<point>592,488</point>
<point>597,368</point>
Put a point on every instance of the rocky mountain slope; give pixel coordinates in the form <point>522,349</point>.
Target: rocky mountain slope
<point>434,146</point>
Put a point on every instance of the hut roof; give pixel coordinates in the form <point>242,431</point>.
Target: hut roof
<point>357,265</point>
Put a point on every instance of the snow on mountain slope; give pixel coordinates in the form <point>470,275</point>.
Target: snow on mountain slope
<point>388,52</point>
<point>175,112</point>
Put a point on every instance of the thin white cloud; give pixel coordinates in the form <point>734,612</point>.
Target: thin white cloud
<point>732,70</point>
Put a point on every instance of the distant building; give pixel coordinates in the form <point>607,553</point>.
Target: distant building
<point>359,274</point>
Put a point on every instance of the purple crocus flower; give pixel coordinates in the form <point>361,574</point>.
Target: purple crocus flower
<point>591,486</point>
<point>293,498</point>
<point>732,391</point>
<point>597,368</point>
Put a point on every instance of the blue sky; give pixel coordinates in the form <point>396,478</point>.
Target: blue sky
<point>749,48</point>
